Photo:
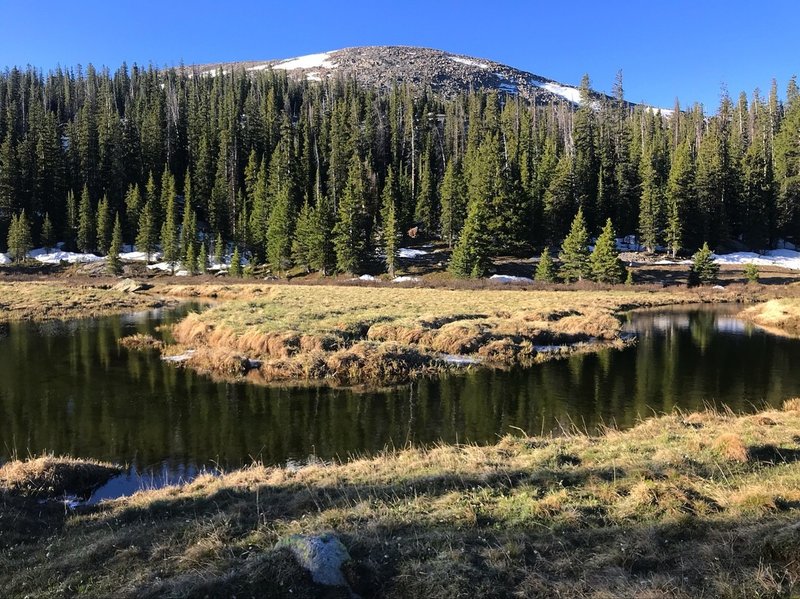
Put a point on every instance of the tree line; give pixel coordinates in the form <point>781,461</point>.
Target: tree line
<point>328,175</point>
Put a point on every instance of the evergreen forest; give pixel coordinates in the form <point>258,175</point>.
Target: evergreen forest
<point>330,175</point>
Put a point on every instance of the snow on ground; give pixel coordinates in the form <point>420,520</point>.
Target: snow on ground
<point>665,112</point>
<point>509,279</point>
<point>405,279</point>
<point>310,61</point>
<point>366,278</point>
<point>56,256</point>
<point>4,259</point>
<point>785,258</point>
<point>167,267</point>
<point>460,360</point>
<point>468,62</point>
<point>573,94</point>
<point>668,262</point>
<point>410,253</point>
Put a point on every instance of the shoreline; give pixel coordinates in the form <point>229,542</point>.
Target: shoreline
<point>610,514</point>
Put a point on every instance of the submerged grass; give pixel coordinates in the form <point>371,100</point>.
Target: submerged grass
<point>683,505</point>
<point>350,334</point>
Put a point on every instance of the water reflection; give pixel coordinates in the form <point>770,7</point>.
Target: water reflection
<point>69,388</point>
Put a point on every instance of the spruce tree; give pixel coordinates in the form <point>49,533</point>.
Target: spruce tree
<point>604,260</point>
<point>349,232</point>
<point>236,264</point>
<point>133,208</point>
<point>146,236</point>
<point>202,258</point>
<point>104,226</point>
<point>48,236</point>
<point>279,230</point>
<point>470,257</point>
<point>170,247</point>
<point>704,270</point>
<point>219,250</point>
<point>390,230</point>
<point>19,237</point>
<point>574,253</point>
<point>680,195</point>
<point>305,230</point>
<point>113,264</point>
<point>453,194</point>
<point>546,269</point>
<point>85,223</point>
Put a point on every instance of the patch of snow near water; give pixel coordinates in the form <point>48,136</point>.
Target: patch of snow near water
<point>366,278</point>
<point>180,357</point>
<point>784,258</point>
<point>4,259</point>
<point>460,360</point>
<point>405,279</point>
<point>310,61</point>
<point>509,279</point>
<point>410,253</point>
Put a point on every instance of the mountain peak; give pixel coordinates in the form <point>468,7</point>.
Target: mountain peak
<point>445,73</point>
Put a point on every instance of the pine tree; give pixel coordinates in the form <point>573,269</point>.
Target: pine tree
<point>305,231</point>
<point>454,195</point>
<point>680,195</point>
<point>704,270</point>
<point>470,257</point>
<point>71,225</point>
<point>113,264</point>
<point>170,246</point>
<point>650,212</point>
<point>48,236</point>
<point>390,230</point>
<point>133,208</point>
<point>104,226</point>
<point>574,253</point>
<point>19,237</point>
<point>279,230</point>
<point>546,269</point>
<point>202,258</point>
<point>146,236</point>
<point>349,232</point>
<point>85,223</point>
<point>604,260</point>
<point>236,264</point>
<point>219,250</point>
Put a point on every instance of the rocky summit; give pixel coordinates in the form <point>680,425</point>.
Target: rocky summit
<point>444,73</point>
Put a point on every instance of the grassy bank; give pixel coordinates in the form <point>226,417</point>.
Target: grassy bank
<point>61,300</point>
<point>777,315</point>
<point>704,504</point>
<point>351,335</point>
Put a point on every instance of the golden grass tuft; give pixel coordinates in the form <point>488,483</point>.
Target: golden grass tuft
<point>792,405</point>
<point>731,447</point>
<point>51,476</point>
<point>141,342</point>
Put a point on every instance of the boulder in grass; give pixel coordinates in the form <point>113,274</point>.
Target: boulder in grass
<point>130,286</point>
<point>322,555</point>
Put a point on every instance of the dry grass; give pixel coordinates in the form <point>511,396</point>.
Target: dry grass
<point>60,300</point>
<point>660,510</point>
<point>141,342</point>
<point>778,315</point>
<point>51,476</point>
<point>332,334</point>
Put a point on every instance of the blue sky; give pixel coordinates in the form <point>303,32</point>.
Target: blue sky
<point>665,49</point>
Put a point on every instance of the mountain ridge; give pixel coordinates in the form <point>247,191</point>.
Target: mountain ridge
<point>446,73</point>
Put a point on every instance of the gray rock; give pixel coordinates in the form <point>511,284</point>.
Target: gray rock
<point>322,555</point>
<point>129,286</point>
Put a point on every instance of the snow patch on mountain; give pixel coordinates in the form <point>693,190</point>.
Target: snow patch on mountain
<point>468,62</point>
<point>310,61</point>
<point>572,94</point>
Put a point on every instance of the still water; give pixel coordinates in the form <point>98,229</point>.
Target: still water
<point>69,388</point>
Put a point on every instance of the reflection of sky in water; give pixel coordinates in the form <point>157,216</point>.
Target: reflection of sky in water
<point>131,481</point>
